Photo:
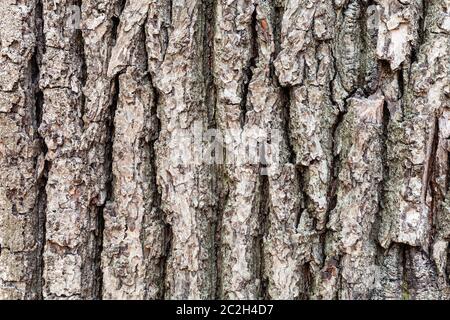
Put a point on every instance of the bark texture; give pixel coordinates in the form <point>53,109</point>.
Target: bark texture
<point>111,111</point>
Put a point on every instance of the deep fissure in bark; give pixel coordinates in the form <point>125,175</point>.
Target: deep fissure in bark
<point>333,185</point>
<point>264,207</point>
<point>447,269</point>
<point>168,236</point>
<point>208,46</point>
<point>385,174</point>
<point>245,105</point>
<point>421,33</point>
<point>80,43</point>
<point>331,83</point>
<point>157,194</point>
<point>156,198</point>
<point>109,183</point>
<point>431,184</point>
<point>115,93</point>
<point>41,201</point>
<point>401,82</point>
<point>335,161</point>
<point>304,198</point>
<point>223,200</point>
<point>277,16</point>
<point>165,28</point>
<point>306,288</point>
<point>209,14</point>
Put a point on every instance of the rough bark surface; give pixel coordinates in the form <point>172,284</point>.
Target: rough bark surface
<point>126,129</point>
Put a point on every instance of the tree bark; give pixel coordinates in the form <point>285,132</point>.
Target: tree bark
<point>224,149</point>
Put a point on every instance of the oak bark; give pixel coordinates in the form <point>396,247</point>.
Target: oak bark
<point>111,111</point>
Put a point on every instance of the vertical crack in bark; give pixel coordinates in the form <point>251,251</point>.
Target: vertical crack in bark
<point>264,207</point>
<point>331,84</point>
<point>421,34</point>
<point>223,199</point>
<point>277,17</point>
<point>165,28</point>
<point>380,252</point>
<point>108,161</point>
<point>306,288</point>
<point>157,194</point>
<point>167,236</point>
<point>447,175</point>
<point>249,70</point>
<point>430,183</point>
<point>116,22</point>
<point>108,186</point>
<point>82,56</point>
<point>304,198</point>
<point>401,82</point>
<point>208,45</point>
<point>332,187</point>
<point>278,13</point>
<point>156,198</point>
<point>447,267</point>
<point>335,161</point>
<point>41,164</point>
<point>109,183</point>
<point>285,95</point>
<point>385,173</point>
<point>263,216</point>
<point>209,13</point>
<point>153,131</point>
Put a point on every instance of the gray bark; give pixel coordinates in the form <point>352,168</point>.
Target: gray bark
<point>111,110</point>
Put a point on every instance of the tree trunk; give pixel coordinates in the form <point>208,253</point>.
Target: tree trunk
<point>232,149</point>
